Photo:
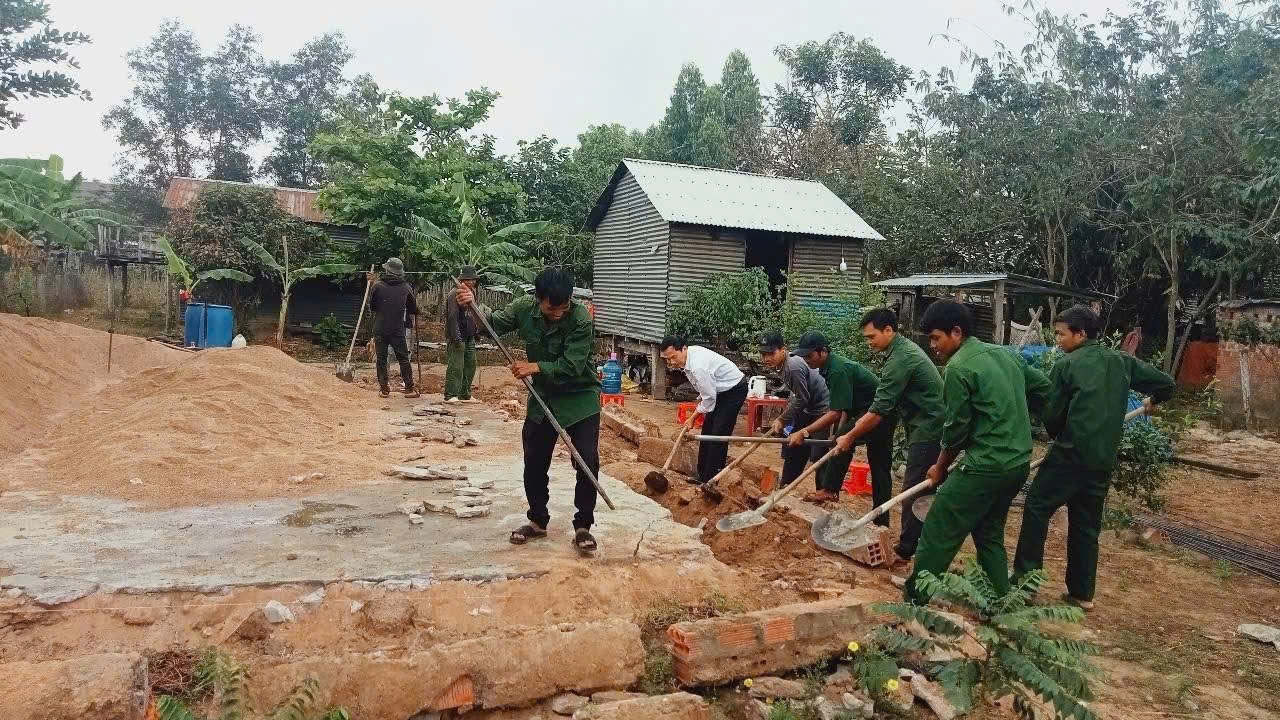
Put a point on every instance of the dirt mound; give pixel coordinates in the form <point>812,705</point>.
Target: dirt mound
<point>47,366</point>
<point>216,425</point>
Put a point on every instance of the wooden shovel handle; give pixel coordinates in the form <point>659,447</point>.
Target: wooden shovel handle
<point>808,473</point>
<point>738,460</point>
<point>674,447</point>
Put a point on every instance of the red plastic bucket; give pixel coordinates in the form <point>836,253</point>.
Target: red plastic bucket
<point>856,483</point>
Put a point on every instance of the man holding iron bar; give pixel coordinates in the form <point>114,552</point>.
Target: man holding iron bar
<point>558,335</point>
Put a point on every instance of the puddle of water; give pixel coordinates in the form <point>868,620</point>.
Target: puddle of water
<point>310,512</point>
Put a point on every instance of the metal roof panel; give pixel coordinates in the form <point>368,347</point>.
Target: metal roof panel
<point>731,199</point>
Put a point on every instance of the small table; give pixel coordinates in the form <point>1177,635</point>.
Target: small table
<point>755,408</point>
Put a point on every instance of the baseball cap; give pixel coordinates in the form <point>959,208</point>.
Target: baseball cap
<point>772,342</point>
<point>809,342</point>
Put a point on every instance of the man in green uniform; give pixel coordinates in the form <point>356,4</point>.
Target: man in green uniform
<point>1085,417</point>
<point>460,331</point>
<point>910,388</point>
<point>558,336</point>
<point>986,392</point>
<point>852,388</point>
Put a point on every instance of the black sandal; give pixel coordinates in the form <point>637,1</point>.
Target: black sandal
<point>583,541</point>
<point>525,533</point>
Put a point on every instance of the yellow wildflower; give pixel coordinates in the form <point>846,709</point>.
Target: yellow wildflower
<point>853,647</point>
<point>747,683</point>
<point>891,685</point>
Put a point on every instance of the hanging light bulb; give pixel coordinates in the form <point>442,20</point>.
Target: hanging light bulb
<point>843,265</point>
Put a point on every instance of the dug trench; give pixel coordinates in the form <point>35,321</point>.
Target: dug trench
<point>240,501</point>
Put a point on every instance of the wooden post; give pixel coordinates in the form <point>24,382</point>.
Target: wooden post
<point>1000,331</point>
<point>111,299</point>
<point>658,374</point>
<point>124,285</point>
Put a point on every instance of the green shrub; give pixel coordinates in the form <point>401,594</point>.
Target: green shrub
<point>727,310</point>
<point>227,680</point>
<point>1019,657</point>
<point>330,332</point>
<point>1142,466</point>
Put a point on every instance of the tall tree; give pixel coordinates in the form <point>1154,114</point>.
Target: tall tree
<point>304,96</point>
<point>157,125</point>
<point>679,126</point>
<point>382,177</point>
<point>743,112</point>
<point>28,37</point>
<point>231,121</point>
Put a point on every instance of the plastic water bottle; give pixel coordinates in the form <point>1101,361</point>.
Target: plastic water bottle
<point>611,383</point>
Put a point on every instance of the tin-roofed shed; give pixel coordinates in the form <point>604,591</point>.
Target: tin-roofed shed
<point>660,228</point>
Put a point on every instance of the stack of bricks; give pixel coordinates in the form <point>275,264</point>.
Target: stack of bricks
<point>718,650</point>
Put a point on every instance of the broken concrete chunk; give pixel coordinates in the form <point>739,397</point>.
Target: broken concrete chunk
<point>463,421</point>
<point>424,410</point>
<point>677,706</point>
<point>463,501</point>
<point>482,484</point>
<point>14,593</point>
<point>314,598</point>
<point>356,605</point>
<point>316,476</point>
<point>411,507</point>
<point>931,693</point>
<point>413,472</point>
<point>567,703</point>
<point>776,687</point>
<point>1261,633</point>
<point>415,519</point>
<point>469,512</point>
<point>277,612</point>
<point>254,627</point>
<point>468,491</point>
<point>608,696</point>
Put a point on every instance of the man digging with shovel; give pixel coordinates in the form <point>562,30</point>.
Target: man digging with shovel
<point>722,388</point>
<point>1085,417</point>
<point>558,336</point>
<point>393,302</point>
<point>852,388</point>
<point>986,394</point>
<point>810,399</point>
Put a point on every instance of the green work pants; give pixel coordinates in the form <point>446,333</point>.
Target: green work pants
<point>461,370</point>
<point>968,503</point>
<point>1084,492</point>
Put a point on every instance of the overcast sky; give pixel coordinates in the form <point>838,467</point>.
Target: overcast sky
<point>559,65</point>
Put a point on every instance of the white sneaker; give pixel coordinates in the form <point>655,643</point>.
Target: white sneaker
<point>453,401</point>
<point>471,401</point>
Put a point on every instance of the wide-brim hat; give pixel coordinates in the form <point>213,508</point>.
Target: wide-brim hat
<point>468,272</point>
<point>393,266</point>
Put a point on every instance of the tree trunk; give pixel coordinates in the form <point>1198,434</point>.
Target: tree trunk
<point>1200,312</point>
<point>284,309</point>
<point>1172,316</point>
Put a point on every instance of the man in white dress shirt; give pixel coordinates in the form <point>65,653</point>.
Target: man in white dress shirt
<point>722,388</point>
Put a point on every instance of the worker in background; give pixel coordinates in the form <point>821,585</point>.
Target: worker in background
<point>558,338</point>
<point>722,388</point>
<point>393,303</point>
<point>911,389</point>
<point>988,396</point>
<point>1089,392</point>
<point>852,387</point>
<point>460,332</point>
<point>809,400</point>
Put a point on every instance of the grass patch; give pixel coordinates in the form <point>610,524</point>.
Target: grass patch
<point>659,675</point>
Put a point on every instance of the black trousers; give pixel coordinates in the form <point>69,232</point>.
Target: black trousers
<point>794,460</point>
<point>920,457</point>
<point>401,348</point>
<point>880,458</point>
<point>540,440</point>
<point>720,421</point>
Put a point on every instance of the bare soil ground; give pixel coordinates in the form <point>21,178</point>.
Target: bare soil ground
<point>199,429</point>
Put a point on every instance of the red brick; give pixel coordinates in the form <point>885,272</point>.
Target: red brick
<point>461,692</point>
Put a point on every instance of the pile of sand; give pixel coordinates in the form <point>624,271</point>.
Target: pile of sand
<point>219,425</point>
<point>47,367</point>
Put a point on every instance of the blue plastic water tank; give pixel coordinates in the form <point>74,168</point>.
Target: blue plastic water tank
<point>208,325</point>
<point>611,383</point>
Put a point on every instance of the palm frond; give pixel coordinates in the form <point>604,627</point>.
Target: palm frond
<point>299,702</point>
<point>263,255</point>
<point>29,177</point>
<point>52,228</point>
<point>177,266</point>
<point>1041,684</point>
<point>959,680</point>
<point>896,642</point>
<point>536,227</point>
<point>930,619</point>
<point>171,708</point>
<point>224,274</point>
<point>307,273</point>
<point>100,217</point>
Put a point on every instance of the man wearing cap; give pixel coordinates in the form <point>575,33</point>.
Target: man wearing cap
<point>852,388</point>
<point>810,399</point>
<point>460,331</point>
<point>910,388</point>
<point>393,303</point>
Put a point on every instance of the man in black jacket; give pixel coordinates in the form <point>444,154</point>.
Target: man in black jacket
<point>393,302</point>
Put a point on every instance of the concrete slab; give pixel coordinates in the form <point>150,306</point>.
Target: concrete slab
<point>52,544</point>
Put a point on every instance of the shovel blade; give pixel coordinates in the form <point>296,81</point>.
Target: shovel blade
<point>657,482</point>
<point>740,521</point>
<point>345,373</point>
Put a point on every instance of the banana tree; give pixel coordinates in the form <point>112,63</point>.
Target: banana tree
<point>36,201</point>
<point>494,256</point>
<point>190,279</point>
<point>288,275</point>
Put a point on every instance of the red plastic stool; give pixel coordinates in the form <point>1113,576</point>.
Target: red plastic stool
<point>856,482</point>
<point>755,410</point>
<point>613,399</point>
<point>684,410</point>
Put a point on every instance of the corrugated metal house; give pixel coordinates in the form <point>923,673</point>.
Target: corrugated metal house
<point>311,299</point>
<point>660,228</point>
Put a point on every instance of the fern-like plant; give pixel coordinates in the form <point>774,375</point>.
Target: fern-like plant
<point>1019,656</point>
<point>219,674</point>
<point>190,279</point>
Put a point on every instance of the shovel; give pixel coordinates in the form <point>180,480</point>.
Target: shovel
<point>582,464</point>
<point>920,508</point>
<point>751,518</point>
<point>344,371</point>
<point>656,480</point>
<point>819,442</point>
<point>709,488</point>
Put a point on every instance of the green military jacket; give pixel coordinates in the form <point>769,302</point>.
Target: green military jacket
<point>911,387</point>
<point>852,385</point>
<point>1088,400</point>
<point>986,391</point>
<point>566,377</point>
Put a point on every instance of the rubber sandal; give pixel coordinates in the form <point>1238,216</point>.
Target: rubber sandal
<point>384,393</point>
<point>525,533</point>
<point>411,395</point>
<point>583,541</point>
